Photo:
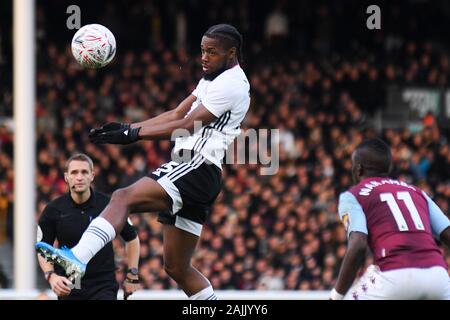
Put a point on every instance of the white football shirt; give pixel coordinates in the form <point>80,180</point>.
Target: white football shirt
<point>228,98</point>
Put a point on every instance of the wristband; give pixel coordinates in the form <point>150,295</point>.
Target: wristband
<point>48,274</point>
<point>134,281</point>
<point>133,271</point>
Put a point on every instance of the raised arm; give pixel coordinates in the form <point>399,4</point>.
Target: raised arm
<point>165,130</point>
<point>118,134</point>
<point>175,114</point>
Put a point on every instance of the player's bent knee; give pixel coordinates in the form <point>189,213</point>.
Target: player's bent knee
<point>175,272</point>
<point>120,195</point>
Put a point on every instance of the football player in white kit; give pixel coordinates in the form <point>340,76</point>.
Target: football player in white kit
<point>183,191</point>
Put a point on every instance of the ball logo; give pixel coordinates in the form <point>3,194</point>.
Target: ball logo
<point>93,46</point>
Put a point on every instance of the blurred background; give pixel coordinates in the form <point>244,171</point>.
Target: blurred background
<point>317,74</point>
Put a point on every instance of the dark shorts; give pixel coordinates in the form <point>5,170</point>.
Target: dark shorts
<point>193,187</point>
<point>94,289</point>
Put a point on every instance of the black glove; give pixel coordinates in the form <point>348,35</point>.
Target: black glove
<point>111,126</point>
<point>123,135</point>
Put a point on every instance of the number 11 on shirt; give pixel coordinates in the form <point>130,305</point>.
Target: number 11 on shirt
<point>397,213</point>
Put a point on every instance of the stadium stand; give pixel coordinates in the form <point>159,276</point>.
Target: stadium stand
<point>277,232</point>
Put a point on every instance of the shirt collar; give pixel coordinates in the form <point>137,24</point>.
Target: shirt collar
<point>87,204</point>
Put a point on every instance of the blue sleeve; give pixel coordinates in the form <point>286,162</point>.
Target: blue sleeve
<point>438,220</point>
<point>351,213</point>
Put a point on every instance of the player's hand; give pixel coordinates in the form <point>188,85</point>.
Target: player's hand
<point>111,126</point>
<point>61,286</point>
<point>124,135</point>
<point>130,285</point>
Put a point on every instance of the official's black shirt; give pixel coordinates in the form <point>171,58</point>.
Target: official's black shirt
<point>65,221</point>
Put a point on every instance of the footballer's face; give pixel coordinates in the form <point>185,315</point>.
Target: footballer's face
<point>215,57</point>
<point>79,176</point>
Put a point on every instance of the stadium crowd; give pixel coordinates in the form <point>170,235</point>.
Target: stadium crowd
<point>265,232</point>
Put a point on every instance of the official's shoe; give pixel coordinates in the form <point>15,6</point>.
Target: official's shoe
<point>63,257</point>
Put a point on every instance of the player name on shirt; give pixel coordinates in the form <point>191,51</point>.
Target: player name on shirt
<point>368,187</point>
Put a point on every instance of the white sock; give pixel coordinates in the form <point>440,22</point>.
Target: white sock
<point>204,294</point>
<point>96,236</point>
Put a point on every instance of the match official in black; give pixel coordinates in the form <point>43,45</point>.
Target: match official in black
<point>66,218</point>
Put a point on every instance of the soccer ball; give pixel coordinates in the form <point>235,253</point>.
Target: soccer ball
<point>93,46</point>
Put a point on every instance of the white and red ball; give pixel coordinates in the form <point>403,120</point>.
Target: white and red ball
<point>93,46</point>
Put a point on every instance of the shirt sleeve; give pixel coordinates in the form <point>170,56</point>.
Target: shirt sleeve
<point>47,226</point>
<point>195,92</point>
<point>351,213</point>
<point>220,97</point>
<point>128,232</point>
<point>438,220</point>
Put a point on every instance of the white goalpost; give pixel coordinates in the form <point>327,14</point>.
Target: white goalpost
<point>24,145</point>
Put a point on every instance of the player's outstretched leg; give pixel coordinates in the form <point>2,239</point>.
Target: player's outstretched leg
<point>179,247</point>
<point>145,195</point>
<point>73,267</point>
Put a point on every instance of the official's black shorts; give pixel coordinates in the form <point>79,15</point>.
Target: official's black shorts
<point>193,187</point>
<point>94,289</point>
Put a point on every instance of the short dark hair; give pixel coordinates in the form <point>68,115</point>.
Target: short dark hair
<point>375,156</point>
<point>229,35</point>
<point>79,157</point>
